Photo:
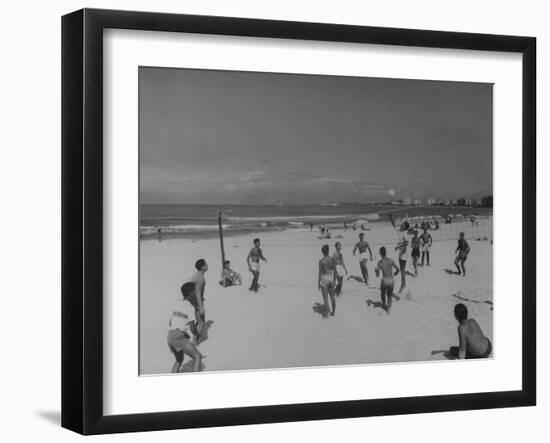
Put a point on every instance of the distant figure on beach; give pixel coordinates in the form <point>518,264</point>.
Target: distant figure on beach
<point>472,342</point>
<point>461,252</point>
<point>253,262</point>
<point>402,248</point>
<point>427,240</point>
<point>200,283</point>
<point>181,326</point>
<point>363,247</point>
<point>415,251</point>
<point>340,267</point>
<point>327,233</point>
<point>345,226</point>
<point>386,265</point>
<point>327,269</point>
<point>310,227</point>
<point>229,276</point>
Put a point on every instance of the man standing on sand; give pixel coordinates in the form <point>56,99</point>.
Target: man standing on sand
<point>200,283</point>
<point>472,342</point>
<point>363,246</point>
<point>461,252</point>
<point>253,262</point>
<point>402,248</point>
<point>426,245</point>
<point>327,269</point>
<point>386,265</point>
<point>415,252</point>
<point>340,267</point>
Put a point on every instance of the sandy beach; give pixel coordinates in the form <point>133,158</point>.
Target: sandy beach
<point>278,328</point>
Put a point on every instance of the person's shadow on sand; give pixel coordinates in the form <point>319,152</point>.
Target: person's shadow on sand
<point>446,353</point>
<point>451,272</point>
<point>188,365</point>
<point>378,304</point>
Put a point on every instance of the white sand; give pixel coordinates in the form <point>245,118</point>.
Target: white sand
<point>277,327</point>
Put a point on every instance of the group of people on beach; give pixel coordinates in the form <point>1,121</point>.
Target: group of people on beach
<point>187,324</point>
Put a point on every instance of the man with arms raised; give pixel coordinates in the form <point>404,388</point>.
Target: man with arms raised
<point>363,246</point>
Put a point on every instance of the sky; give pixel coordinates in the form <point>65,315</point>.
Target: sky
<point>234,137</point>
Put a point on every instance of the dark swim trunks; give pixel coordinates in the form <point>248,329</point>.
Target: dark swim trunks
<point>415,252</point>
<point>454,352</point>
<point>484,355</point>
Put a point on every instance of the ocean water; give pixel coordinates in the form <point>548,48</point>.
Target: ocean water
<point>200,221</point>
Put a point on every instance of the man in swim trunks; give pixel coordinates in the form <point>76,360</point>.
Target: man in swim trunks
<point>181,326</point>
<point>340,267</point>
<point>253,262</point>
<point>426,245</point>
<point>402,248</point>
<point>363,247</point>
<point>386,265</point>
<point>327,268</point>
<point>461,252</point>
<point>472,342</point>
<point>415,251</point>
<point>200,283</point>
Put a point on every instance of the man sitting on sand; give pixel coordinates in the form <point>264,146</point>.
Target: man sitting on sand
<point>461,252</point>
<point>253,262</point>
<point>386,265</point>
<point>200,283</point>
<point>181,326</point>
<point>363,246</point>
<point>326,281</point>
<point>340,267</point>
<point>472,342</point>
<point>229,276</point>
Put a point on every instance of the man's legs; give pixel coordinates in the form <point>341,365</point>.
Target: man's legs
<point>423,255</point>
<point>324,292</point>
<point>364,271</point>
<point>256,280</point>
<point>332,299</point>
<point>462,261</point>
<point>339,284</point>
<point>402,265</point>
<point>383,296</point>
<point>191,350</point>
<point>428,257</point>
<point>457,261</point>
<point>179,360</point>
<point>389,292</point>
<point>415,265</point>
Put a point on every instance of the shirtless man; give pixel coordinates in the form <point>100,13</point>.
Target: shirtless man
<point>327,269</point>
<point>461,252</point>
<point>253,262</point>
<point>386,284</point>
<point>472,342</point>
<point>363,246</point>
<point>426,245</point>
<point>415,251</point>
<point>402,248</point>
<point>340,267</point>
<point>182,327</point>
<point>200,283</point>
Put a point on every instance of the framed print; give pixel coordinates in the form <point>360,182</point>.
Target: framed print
<point>269,221</point>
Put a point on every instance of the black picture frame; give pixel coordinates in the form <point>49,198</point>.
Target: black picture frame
<point>82,220</point>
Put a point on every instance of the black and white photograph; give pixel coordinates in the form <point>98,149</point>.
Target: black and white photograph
<point>292,221</point>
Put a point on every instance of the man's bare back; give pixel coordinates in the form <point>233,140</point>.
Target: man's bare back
<point>471,335</point>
